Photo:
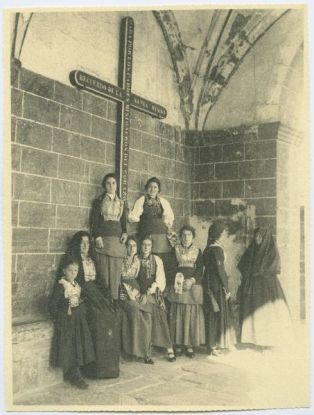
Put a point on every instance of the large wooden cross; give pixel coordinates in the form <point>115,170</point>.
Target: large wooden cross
<point>124,97</point>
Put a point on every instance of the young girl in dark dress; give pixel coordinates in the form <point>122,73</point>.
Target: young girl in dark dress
<point>264,314</point>
<point>220,330</point>
<point>72,345</point>
<point>103,319</point>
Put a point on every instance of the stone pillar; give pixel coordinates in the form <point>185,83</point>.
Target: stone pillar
<point>290,198</point>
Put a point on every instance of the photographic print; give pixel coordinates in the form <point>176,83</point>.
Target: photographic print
<point>156,191</point>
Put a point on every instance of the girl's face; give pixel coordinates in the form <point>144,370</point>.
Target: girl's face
<point>152,189</point>
<point>84,245</point>
<point>146,247</point>
<point>187,238</point>
<point>111,185</point>
<point>258,238</point>
<point>131,248</point>
<point>70,272</point>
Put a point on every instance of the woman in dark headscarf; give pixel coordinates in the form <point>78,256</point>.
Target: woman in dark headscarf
<point>264,313</point>
<point>220,330</point>
<point>103,319</point>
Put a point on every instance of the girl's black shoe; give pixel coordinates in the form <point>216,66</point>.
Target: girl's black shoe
<point>148,361</point>
<point>79,383</point>
<point>171,357</point>
<point>190,353</point>
<point>178,351</point>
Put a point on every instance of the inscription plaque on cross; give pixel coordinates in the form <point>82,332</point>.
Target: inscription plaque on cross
<point>123,95</point>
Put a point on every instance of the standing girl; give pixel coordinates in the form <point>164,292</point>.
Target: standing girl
<point>155,217</point>
<point>72,345</point>
<point>220,330</point>
<point>109,230</point>
<point>186,316</point>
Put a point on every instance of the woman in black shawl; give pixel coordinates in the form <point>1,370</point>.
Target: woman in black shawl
<point>102,317</point>
<point>264,314</point>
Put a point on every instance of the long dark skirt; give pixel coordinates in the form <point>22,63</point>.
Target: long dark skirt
<point>187,326</point>
<point>72,344</point>
<point>167,262</point>
<point>220,330</point>
<point>160,329</point>
<point>109,271</point>
<point>136,328</point>
<point>104,324</point>
<point>264,313</point>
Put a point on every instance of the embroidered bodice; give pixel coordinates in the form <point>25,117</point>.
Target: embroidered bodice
<point>152,208</point>
<point>148,267</point>
<point>111,208</point>
<point>186,257</point>
<point>130,267</point>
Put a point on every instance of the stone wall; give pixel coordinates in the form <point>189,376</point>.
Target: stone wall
<point>234,168</point>
<point>63,142</point>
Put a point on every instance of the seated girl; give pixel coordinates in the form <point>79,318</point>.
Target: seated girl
<point>152,283</point>
<point>136,316</point>
<point>72,345</point>
<point>103,319</point>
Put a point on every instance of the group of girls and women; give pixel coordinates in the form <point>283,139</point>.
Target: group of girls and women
<point>116,292</point>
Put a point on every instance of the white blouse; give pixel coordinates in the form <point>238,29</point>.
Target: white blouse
<point>137,211</point>
<point>160,280</point>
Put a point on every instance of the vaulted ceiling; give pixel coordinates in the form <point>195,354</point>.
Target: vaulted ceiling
<point>206,48</point>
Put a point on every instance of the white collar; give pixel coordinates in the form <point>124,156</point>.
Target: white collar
<point>217,244</point>
<point>111,197</point>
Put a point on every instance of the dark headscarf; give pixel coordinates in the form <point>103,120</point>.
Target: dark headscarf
<point>260,259</point>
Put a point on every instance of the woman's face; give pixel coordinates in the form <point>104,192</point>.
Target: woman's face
<point>84,245</point>
<point>111,185</point>
<point>187,238</point>
<point>152,189</point>
<point>131,247</point>
<point>70,272</point>
<point>146,247</point>
<point>258,238</point>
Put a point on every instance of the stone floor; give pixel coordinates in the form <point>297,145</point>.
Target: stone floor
<point>245,378</point>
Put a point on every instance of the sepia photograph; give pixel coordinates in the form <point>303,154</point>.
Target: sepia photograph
<point>156,199</point>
